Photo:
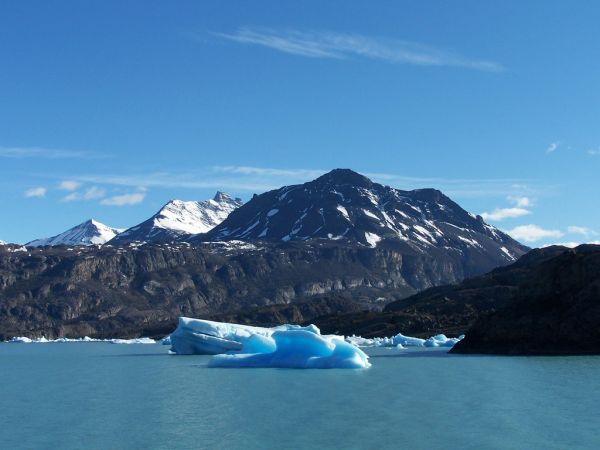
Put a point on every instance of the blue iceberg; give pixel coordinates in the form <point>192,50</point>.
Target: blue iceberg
<point>285,346</point>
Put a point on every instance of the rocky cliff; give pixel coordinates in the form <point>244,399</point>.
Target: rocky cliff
<point>141,290</point>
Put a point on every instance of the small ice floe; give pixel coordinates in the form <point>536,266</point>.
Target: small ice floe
<point>20,339</point>
<point>43,340</point>
<point>142,340</point>
<point>401,341</point>
<point>285,346</point>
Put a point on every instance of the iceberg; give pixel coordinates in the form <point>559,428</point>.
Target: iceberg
<point>400,341</point>
<point>285,346</point>
<point>441,340</point>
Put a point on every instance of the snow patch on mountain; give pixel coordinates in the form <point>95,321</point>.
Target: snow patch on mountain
<point>180,218</point>
<point>90,232</point>
<point>372,239</point>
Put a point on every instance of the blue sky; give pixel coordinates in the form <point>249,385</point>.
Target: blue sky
<point>109,109</point>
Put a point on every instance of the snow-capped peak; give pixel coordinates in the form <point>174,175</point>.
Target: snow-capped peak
<point>178,218</point>
<point>90,232</point>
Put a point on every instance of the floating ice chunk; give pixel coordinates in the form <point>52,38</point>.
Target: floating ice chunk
<point>441,340</point>
<point>408,341</point>
<point>288,346</point>
<point>20,340</point>
<point>400,341</point>
<point>133,341</point>
<point>166,340</point>
<point>43,340</point>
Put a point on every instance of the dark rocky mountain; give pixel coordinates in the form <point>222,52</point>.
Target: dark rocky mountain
<point>553,309</point>
<point>345,206</point>
<point>90,232</point>
<point>180,219</point>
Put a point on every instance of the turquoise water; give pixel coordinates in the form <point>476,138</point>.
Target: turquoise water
<point>107,396</point>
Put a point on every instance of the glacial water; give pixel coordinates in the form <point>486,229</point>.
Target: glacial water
<point>107,396</point>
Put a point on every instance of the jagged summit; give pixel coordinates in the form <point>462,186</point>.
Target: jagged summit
<point>343,205</point>
<point>221,197</point>
<point>178,218</point>
<point>90,232</point>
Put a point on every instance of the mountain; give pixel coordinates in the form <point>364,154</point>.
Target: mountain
<point>554,308</point>
<point>2,242</point>
<point>450,309</point>
<point>345,206</point>
<point>141,290</point>
<point>178,219</point>
<point>90,232</point>
<point>324,250</point>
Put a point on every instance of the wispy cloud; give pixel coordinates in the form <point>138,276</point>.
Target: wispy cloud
<point>132,198</point>
<point>68,185</point>
<point>260,179</point>
<point>47,153</point>
<point>594,152</point>
<point>92,193</point>
<point>583,231</point>
<point>552,147</point>
<point>37,192</point>
<point>266,171</point>
<point>328,44</point>
<point>533,233</point>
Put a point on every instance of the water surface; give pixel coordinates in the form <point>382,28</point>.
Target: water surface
<point>101,395</point>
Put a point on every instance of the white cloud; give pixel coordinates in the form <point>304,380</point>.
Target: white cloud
<point>518,210</point>
<point>125,199</point>
<point>553,147</point>
<point>521,202</point>
<point>73,196</point>
<point>505,213</point>
<point>533,233</point>
<point>92,193</point>
<point>594,152</point>
<point>47,153</point>
<point>69,185</point>
<point>37,192</point>
<point>584,231</point>
<point>327,44</point>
